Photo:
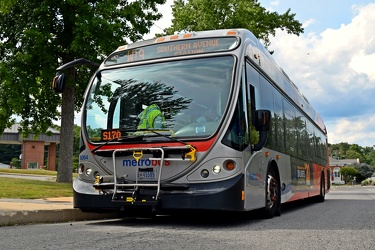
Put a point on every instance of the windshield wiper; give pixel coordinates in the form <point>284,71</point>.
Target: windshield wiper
<point>159,133</point>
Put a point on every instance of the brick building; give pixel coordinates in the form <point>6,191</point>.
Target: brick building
<point>32,156</point>
<point>335,165</point>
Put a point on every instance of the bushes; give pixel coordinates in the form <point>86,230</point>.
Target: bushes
<point>16,163</point>
<point>367,182</point>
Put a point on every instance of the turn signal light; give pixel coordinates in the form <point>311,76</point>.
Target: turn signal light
<point>81,168</point>
<point>229,165</point>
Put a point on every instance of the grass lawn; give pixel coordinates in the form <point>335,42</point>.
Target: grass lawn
<point>32,189</point>
<point>28,171</point>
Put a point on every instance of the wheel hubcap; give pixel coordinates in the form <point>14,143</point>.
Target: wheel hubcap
<point>272,192</point>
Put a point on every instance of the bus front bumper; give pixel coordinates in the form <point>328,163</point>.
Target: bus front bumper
<point>221,195</point>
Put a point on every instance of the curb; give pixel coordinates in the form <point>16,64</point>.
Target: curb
<point>11,217</point>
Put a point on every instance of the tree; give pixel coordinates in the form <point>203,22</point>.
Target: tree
<point>339,150</point>
<point>77,132</point>
<point>364,171</point>
<point>38,36</point>
<point>348,173</point>
<point>370,159</point>
<point>351,154</point>
<point>343,150</point>
<point>198,15</point>
<point>8,152</point>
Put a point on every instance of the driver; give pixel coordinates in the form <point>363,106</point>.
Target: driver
<point>151,117</point>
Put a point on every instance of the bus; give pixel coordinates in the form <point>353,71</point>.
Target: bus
<point>196,121</point>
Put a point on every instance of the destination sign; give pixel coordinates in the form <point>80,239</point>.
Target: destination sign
<point>108,135</point>
<point>175,48</point>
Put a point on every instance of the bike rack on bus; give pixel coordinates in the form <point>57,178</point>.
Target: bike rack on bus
<point>137,154</point>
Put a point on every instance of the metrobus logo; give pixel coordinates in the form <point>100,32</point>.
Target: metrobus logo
<point>144,163</point>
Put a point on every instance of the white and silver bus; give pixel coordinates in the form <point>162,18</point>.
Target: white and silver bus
<point>196,121</point>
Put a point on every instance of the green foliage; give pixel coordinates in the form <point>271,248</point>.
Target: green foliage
<point>33,189</point>
<point>339,150</point>
<point>348,173</point>
<point>364,183</point>
<point>364,171</point>
<point>370,159</point>
<point>366,156</point>
<point>38,36</point>
<point>344,150</point>
<point>77,132</point>
<point>8,152</point>
<point>198,15</point>
<point>16,163</point>
<point>29,171</point>
<point>351,154</point>
<point>367,182</point>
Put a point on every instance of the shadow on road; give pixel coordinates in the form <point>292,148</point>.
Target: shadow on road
<point>204,219</point>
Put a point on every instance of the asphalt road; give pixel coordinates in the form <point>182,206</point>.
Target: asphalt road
<point>346,220</point>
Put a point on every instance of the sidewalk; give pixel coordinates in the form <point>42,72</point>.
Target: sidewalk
<point>22,211</point>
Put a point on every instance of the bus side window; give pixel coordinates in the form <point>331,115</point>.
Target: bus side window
<point>290,128</point>
<point>237,134</point>
<point>254,135</point>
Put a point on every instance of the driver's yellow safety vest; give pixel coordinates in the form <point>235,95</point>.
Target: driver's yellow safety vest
<point>149,116</point>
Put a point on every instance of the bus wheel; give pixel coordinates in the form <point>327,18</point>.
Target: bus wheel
<point>272,195</point>
<point>321,196</point>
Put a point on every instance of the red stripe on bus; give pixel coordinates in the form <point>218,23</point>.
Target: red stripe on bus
<point>200,146</point>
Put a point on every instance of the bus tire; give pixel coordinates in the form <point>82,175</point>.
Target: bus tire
<point>321,196</point>
<point>273,195</point>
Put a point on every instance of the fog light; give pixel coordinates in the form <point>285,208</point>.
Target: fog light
<point>205,173</point>
<point>96,174</point>
<point>216,169</point>
<point>88,171</point>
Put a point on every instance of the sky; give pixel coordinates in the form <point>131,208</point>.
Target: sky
<point>332,62</point>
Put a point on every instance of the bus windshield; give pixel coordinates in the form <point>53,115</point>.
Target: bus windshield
<point>186,97</point>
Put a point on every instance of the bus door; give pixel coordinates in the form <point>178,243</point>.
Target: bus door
<point>254,189</point>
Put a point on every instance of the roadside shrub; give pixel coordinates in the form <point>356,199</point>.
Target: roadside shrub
<point>16,163</point>
<point>364,183</point>
<point>348,173</point>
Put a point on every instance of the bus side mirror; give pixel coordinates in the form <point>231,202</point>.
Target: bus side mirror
<point>262,124</point>
<point>58,84</point>
<point>262,120</point>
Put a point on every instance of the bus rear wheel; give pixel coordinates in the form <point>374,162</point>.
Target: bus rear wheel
<point>321,196</point>
<point>272,207</point>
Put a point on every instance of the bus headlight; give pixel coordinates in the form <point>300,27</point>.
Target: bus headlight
<point>88,171</point>
<point>216,169</point>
